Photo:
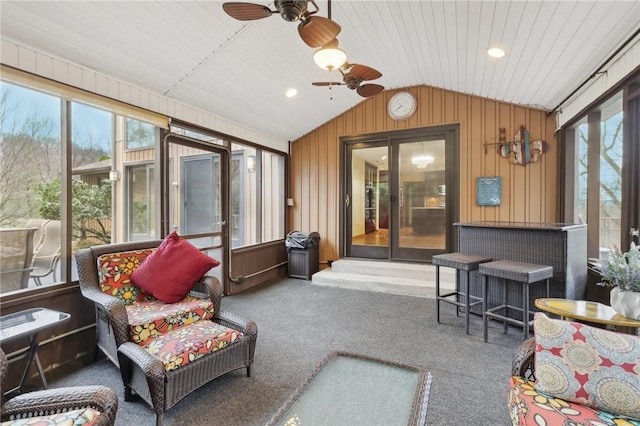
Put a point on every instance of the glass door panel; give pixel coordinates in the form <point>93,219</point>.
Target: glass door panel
<point>195,199</point>
<point>368,205</point>
<point>423,195</point>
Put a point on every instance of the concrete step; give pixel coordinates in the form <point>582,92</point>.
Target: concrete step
<point>406,279</point>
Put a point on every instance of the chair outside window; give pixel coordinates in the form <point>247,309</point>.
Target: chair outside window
<point>16,251</point>
<point>47,254</point>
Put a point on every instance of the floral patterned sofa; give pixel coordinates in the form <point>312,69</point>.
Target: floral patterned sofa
<point>159,318</point>
<point>574,374</point>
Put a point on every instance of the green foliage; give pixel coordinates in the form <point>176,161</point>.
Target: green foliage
<point>622,269</point>
<point>49,199</point>
<point>88,202</point>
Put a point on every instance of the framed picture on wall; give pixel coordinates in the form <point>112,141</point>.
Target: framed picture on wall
<point>489,191</point>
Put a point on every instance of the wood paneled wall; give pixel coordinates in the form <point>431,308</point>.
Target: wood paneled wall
<point>529,193</point>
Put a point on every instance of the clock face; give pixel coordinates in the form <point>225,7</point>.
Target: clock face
<point>402,105</point>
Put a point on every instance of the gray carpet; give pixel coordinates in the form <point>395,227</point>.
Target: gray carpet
<point>299,323</point>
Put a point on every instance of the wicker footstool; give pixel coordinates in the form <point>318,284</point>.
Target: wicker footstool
<point>460,262</point>
<point>511,272</point>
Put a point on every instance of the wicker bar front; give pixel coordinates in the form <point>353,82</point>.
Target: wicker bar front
<point>561,246</point>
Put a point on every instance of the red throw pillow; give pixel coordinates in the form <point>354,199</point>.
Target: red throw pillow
<point>172,269</point>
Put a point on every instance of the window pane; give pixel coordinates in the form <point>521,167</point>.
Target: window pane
<point>581,134</point>
<point>273,202</point>
<point>598,163</point>
<point>30,194</point>
<point>141,202</point>
<point>610,173</point>
<point>244,196</point>
<point>422,179</point>
<point>196,135</point>
<point>139,134</point>
<point>92,141</point>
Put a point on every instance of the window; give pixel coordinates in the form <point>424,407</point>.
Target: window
<point>245,197</point>
<point>32,181</point>
<point>141,202</point>
<point>140,134</point>
<point>606,157</point>
<point>92,152</point>
<point>273,206</point>
<point>30,191</point>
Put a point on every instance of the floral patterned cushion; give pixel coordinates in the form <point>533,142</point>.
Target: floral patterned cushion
<point>588,365</point>
<point>190,342</point>
<point>115,271</point>
<point>151,319</point>
<point>83,416</point>
<point>528,407</point>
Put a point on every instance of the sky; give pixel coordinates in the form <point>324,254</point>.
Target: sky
<point>90,124</point>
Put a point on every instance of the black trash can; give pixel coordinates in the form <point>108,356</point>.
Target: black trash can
<point>302,248</point>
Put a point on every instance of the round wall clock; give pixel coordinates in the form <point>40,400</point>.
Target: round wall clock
<point>402,105</point>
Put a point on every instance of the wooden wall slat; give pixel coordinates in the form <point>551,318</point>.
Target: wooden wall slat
<point>528,192</point>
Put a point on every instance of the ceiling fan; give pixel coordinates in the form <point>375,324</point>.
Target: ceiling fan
<point>315,31</point>
<point>354,76</point>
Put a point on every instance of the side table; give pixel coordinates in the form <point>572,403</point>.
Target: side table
<point>27,324</point>
<point>588,311</point>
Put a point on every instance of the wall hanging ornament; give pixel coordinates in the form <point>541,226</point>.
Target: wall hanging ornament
<point>521,150</point>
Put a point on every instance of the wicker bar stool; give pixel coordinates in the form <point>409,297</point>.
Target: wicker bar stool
<point>511,271</point>
<point>460,262</point>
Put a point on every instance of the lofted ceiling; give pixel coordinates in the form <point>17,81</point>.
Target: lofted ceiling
<point>193,52</point>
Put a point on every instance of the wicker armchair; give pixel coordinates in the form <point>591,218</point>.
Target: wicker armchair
<point>144,373</point>
<point>53,402</point>
<point>522,363</point>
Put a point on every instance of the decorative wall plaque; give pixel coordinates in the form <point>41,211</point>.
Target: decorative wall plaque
<point>489,191</point>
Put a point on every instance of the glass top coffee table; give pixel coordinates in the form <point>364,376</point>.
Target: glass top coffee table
<point>351,389</point>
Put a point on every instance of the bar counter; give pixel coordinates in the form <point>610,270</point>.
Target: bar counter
<point>560,245</point>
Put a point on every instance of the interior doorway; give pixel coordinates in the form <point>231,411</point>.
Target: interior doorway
<point>400,194</point>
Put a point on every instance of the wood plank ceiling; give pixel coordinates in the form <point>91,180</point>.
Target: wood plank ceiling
<point>193,52</point>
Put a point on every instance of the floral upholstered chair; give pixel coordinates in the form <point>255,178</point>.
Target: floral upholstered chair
<point>575,374</point>
<point>159,318</point>
<point>78,405</point>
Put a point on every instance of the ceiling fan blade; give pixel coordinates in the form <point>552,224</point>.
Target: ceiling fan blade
<point>246,11</point>
<point>317,31</point>
<point>369,90</point>
<point>327,83</point>
<point>364,72</point>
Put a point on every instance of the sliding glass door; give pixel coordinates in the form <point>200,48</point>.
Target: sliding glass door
<point>400,194</point>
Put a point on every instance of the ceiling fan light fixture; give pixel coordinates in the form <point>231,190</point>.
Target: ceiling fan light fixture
<point>291,11</point>
<point>330,58</point>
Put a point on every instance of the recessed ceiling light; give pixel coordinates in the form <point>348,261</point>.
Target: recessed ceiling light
<point>291,92</point>
<point>496,52</point>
